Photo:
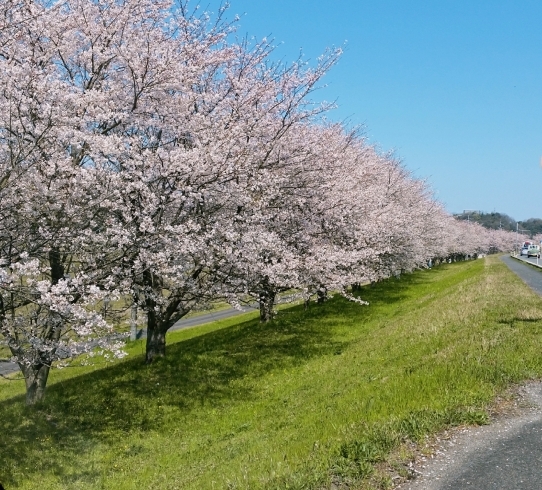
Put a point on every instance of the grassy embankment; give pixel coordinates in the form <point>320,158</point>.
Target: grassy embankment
<point>296,403</point>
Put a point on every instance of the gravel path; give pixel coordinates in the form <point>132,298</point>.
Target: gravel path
<point>505,455</point>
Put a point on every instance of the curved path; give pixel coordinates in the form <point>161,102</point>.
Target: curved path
<point>506,455</point>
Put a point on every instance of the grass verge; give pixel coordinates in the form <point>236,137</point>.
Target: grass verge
<point>312,398</point>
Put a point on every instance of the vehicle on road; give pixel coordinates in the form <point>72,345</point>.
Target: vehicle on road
<point>533,251</point>
<point>525,247</point>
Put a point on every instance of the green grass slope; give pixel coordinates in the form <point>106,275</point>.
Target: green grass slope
<point>311,398</point>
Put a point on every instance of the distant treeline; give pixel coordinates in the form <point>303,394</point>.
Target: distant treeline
<point>496,221</point>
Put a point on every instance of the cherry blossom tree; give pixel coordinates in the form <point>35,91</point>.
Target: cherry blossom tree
<point>326,216</point>
<point>51,279</point>
<point>183,125</point>
<point>146,154</point>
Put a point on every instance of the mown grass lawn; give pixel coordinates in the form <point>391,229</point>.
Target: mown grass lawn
<point>313,397</point>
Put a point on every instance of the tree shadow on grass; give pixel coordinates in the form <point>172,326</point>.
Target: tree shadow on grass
<point>397,289</point>
<point>211,370</point>
<point>517,322</point>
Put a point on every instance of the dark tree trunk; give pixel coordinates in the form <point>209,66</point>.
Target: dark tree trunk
<point>322,294</point>
<point>156,343</point>
<point>35,378</point>
<point>36,375</point>
<point>160,320</point>
<point>55,263</point>
<point>156,333</point>
<point>267,301</point>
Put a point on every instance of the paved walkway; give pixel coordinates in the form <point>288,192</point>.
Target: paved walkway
<point>530,274</point>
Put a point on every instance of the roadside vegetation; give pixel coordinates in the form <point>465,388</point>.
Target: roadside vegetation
<point>311,398</point>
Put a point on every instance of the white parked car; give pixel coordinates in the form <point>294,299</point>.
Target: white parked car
<point>523,250</point>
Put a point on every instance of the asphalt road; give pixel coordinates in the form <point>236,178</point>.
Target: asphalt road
<point>514,462</point>
<point>530,274</point>
<point>531,260</point>
<point>211,317</point>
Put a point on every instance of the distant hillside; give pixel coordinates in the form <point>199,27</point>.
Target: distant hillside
<point>496,221</point>
<point>534,225</point>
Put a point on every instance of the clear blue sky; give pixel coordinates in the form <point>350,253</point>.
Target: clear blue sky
<point>453,86</point>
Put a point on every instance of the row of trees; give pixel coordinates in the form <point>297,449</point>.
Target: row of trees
<point>145,155</point>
